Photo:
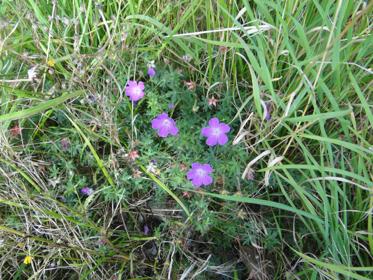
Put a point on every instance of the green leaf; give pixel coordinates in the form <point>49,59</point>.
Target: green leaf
<point>263,202</point>
<point>166,189</point>
<point>43,106</point>
<point>318,117</point>
<point>340,269</point>
<point>93,151</point>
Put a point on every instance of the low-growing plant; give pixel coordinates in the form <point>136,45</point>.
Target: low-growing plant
<point>185,140</point>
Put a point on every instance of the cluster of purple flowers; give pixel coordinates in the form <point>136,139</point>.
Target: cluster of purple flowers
<point>215,132</point>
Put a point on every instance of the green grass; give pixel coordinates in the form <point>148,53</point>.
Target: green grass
<point>305,215</point>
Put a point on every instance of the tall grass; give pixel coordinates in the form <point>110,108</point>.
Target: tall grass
<point>310,61</point>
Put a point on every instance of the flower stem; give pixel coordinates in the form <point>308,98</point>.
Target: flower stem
<point>132,125</point>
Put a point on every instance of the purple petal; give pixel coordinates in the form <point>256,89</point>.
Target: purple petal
<point>222,139</point>
<point>163,132</point>
<point>212,140</point>
<point>191,173</point>
<point>207,180</point>
<point>146,230</point>
<point>156,123</point>
<point>196,165</point>
<point>224,127</point>
<point>207,168</point>
<point>206,131</point>
<point>134,96</point>
<point>197,181</point>
<point>137,97</point>
<point>214,122</point>
<point>267,116</point>
<point>141,85</point>
<point>174,130</point>
<point>151,72</point>
<point>131,83</point>
<point>163,116</point>
<point>86,191</point>
<point>129,91</point>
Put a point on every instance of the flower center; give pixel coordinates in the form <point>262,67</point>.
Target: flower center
<point>166,122</point>
<point>215,131</point>
<point>200,172</point>
<point>137,90</point>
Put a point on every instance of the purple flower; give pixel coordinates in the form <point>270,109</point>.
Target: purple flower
<point>266,110</point>
<point>171,106</point>
<point>86,191</point>
<point>216,132</point>
<point>134,90</point>
<point>151,72</point>
<point>164,125</point>
<point>199,175</point>
<point>146,230</point>
<point>267,116</point>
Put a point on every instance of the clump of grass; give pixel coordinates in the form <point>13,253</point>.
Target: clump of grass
<point>292,191</point>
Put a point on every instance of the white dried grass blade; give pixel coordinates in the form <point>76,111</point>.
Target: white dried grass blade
<point>248,30</point>
<point>251,163</point>
<point>240,13</point>
<point>268,172</point>
<point>240,133</point>
<point>339,179</point>
<point>239,137</point>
